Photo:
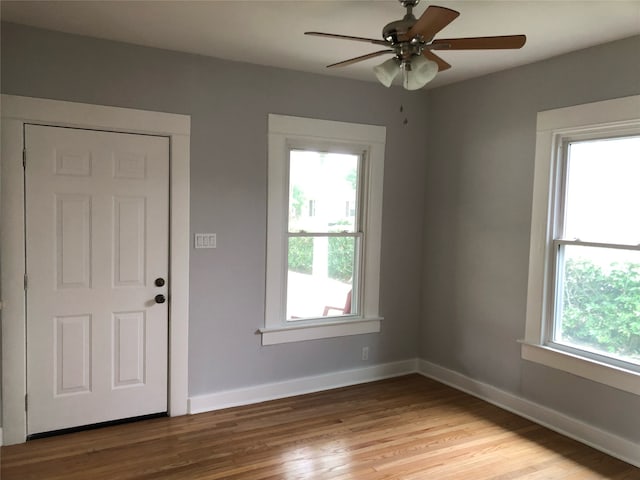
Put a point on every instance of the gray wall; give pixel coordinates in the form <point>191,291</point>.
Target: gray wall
<point>228,103</point>
<point>481,136</point>
<point>475,204</point>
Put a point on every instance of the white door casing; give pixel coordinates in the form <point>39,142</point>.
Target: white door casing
<point>97,238</point>
<point>16,113</point>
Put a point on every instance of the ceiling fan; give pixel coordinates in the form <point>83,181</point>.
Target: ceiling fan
<point>411,41</point>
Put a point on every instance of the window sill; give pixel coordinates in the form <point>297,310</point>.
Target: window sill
<point>616,377</point>
<point>314,331</point>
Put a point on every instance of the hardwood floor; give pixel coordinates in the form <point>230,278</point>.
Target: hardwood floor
<point>403,428</point>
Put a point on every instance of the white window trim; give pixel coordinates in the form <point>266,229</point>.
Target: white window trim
<point>553,126</point>
<point>285,132</point>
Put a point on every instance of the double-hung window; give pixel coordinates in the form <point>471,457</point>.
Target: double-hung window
<point>323,247</point>
<point>323,229</point>
<point>583,311</point>
<point>596,249</point>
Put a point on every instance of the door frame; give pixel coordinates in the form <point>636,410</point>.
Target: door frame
<point>16,111</point>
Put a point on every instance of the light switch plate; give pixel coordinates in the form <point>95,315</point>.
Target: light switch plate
<point>205,240</point>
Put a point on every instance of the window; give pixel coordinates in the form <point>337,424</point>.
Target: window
<point>323,232</point>
<point>583,308</point>
<point>323,247</point>
<point>597,250</point>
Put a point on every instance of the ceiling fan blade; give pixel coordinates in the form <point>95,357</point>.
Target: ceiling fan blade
<point>480,43</point>
<point>347,37</point>
<point>432,21</point>
<point>359,59</point>
<point>442,65</point>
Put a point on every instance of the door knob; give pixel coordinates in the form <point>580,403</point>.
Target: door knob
<point>159,282</point>
<point>160,298</point>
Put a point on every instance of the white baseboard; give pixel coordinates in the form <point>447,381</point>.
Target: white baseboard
<point>1,443</point>
<point>599,439</point>
<point>299,386</point>
<point>594,437</point>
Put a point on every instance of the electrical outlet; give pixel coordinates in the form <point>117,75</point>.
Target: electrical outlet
<point>365,353</point>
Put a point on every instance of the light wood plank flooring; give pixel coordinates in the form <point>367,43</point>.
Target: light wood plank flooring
<point>403,428</point>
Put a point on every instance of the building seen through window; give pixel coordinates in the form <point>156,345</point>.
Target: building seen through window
<point>324,238</point>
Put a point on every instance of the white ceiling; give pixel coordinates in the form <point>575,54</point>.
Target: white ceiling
<point>271,32</point>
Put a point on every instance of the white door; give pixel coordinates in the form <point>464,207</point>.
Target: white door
<point>97,245</point>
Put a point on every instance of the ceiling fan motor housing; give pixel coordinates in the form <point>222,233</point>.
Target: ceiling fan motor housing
<point>395,33</point>
<point>392,30</point>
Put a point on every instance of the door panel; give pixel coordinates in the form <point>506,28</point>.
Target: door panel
<point>72,353</point>
<point>73,234</point>
<point>97,237</point>
<point>129,332</point>
<point>129,241</point>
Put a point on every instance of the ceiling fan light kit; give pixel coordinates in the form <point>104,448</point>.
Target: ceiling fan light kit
<point>411,42</point>
<point>418,73</point>
<point>415,74</point>
<point>387,71</point>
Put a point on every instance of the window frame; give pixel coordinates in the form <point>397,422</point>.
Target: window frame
<point>560,241</point>
<point>284,134</point>
<point>358,234</point>
<point>555,128</point>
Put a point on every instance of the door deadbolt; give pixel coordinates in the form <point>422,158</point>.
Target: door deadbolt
<point>159,282</point>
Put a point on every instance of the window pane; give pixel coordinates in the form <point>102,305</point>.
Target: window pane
<point>603,194</point>
<point>600,308</point>
<point>322,192</point>
<point>320,277</point>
